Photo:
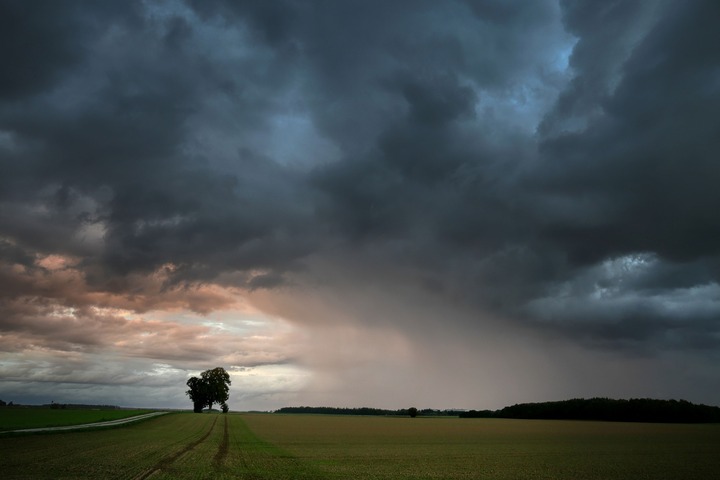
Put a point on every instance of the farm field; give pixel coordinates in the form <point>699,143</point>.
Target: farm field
<point>173,446</point>
<point>271,446</point>
<point>34,417</point>
<point>453,448</point>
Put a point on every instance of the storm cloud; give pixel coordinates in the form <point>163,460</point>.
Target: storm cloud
<point>314,191</point>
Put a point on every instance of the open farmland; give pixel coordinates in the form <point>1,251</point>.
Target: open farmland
<point>267,446</point>
<point>450,448</point>
<point>174,446</point>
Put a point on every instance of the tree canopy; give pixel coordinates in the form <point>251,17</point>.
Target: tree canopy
<point>607,409</point>
<point>213,386</point>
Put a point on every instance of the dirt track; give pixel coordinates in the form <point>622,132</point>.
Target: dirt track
<point>109,423</point>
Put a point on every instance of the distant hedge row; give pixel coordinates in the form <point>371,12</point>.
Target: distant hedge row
<point>606,409</point>
<point>633,410</point>
<point>365,411</point>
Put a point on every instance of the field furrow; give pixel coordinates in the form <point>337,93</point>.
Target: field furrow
<point>223,448</point>
<point>167,462</point>
<point>250,457</point>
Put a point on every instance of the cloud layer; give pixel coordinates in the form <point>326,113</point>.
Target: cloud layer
<point>328,196</point>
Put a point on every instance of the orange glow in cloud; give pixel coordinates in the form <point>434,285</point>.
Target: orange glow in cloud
<point>56,262</point>
<point>52,312</point>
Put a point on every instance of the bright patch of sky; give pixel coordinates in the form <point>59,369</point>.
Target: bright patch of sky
<point>267,387</point>
<point>293,140</point>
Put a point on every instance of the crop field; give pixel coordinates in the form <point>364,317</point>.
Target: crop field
<point>271,446</point>
<point>453,448</point>
<point>174,446</point>
<point>34,417</point>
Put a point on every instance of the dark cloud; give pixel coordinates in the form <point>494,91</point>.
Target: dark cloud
<point>271,22</point>
<point>623,167</point>
<point>647,159</point>
<point>114,134</point>
<point>547,165</point>
<point>38,49</point>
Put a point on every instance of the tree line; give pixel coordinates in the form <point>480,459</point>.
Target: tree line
<point>61,406</point>
<point>604,409</point>
<point>607,409</point>
<point>412,411</point>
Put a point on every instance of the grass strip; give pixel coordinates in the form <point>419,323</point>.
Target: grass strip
<point>235,452</point>
<point>16,418</point>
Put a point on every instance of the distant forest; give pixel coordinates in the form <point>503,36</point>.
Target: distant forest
<point>606,409</point>
<point>62,406</point>
<point>367,411</point>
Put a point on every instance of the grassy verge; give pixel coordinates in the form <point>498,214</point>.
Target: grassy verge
<point>15,418</point>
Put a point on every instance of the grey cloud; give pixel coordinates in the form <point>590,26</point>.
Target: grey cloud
<point>649,156</point>
<point>42,49</point>
<point>462,150</point>
<point>649,162</point>
<point>272,22</point>
<point>118,132</point>
<point>606,37</point>
<point>633,175</point>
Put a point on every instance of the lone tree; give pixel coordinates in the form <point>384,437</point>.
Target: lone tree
<point>213,386</point>
<point>412,411</point>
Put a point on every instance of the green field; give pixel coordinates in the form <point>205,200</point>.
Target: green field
<point>452,448</point>
<point>34,417</point>
<point>214,446</point>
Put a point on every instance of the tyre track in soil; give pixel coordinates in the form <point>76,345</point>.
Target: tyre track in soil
<point>223,448</point>
<point>167,461</point>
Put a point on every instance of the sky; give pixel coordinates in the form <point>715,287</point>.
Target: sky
<point>457,204</point>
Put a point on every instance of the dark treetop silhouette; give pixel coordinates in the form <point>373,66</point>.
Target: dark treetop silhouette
<point>213,386</point>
